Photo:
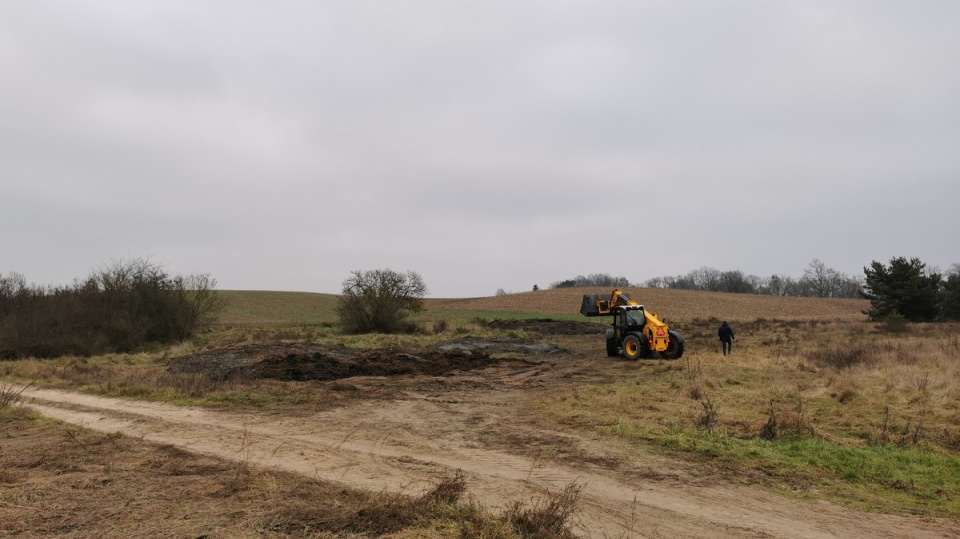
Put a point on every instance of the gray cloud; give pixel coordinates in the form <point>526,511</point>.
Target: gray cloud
<point>483,144</point>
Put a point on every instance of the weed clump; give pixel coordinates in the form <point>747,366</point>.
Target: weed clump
<point>10,395</point>
<point>549,517</point>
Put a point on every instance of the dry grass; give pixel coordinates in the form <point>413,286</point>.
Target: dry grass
<point>10,394</point>
<point>801,368</point>
<point>851,386</point>
<point>548,516</point>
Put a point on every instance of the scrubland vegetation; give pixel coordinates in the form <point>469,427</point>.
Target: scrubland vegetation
<point>124,307</point>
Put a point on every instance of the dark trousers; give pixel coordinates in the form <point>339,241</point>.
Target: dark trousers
<point>727,345</point>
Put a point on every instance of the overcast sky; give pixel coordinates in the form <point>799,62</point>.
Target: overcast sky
<point>484,144</point>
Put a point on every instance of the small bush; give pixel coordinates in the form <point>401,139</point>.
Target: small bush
<point>893,323</point>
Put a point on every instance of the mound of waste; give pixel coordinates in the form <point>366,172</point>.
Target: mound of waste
<point>305,361</point>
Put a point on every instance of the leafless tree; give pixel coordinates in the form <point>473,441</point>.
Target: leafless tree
<point>379,301</point>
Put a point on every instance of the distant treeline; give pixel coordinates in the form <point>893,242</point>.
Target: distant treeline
<point>118,309</point>
<point>817,281</point>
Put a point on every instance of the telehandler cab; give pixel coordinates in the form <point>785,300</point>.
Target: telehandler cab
<point>640,334</point>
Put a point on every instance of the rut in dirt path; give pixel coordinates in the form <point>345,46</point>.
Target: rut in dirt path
<point>408,445</point>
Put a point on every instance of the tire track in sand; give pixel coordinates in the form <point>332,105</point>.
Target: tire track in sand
<point>408,445</point>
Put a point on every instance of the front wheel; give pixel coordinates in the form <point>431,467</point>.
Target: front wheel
<point>632,348</point>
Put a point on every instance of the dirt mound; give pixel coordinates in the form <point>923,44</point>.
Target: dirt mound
<point>304,361</point>
<point>549,326</point>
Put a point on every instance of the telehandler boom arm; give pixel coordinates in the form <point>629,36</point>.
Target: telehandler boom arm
<point>594,306</point>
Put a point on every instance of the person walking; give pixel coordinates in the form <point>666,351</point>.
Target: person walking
<point>726,337</point>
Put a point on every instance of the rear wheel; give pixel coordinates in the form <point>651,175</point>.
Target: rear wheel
<point>632,347</point>
<point>613,349</point>
<point>675,348</point>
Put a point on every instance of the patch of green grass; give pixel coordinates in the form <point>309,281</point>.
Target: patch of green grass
<point>885,478</point>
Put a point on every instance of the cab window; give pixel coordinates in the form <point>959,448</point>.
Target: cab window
<point>635,317</point>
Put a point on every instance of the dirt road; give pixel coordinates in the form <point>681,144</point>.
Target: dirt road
<point>408,443</point>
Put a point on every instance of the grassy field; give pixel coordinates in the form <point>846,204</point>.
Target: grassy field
<point>860,414</point>
<point>259,308</point>
<point>815,397</point>
<point>815,401</point>
<point>263,308</point>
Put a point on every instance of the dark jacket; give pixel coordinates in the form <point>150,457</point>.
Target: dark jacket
<point>725,333</point>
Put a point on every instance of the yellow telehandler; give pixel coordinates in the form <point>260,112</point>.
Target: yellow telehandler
<point>638,333</point>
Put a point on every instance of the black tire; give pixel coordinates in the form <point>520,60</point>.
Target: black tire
<point>633,347</point>
<point>675,348</point>
<point>613,349</point>
<point>613,345</point>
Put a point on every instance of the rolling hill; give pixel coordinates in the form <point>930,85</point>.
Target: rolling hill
<point>266,308</point>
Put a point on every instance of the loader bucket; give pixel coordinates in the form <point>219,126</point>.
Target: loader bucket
<point>589,306</point>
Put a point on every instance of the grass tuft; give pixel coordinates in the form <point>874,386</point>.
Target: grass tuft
<point>10,394</point>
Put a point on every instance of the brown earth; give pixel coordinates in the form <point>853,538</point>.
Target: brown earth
<point>463,406</point>
<point>685,305</point>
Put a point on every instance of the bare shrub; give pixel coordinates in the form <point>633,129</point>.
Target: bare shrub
<point>379,301</point>
<point>787,417</point>
<point>769,430</point>
<point>908,434</point>
<point>548,517</point>
<point>119,308</point>
<point>707,419</point>
<point>448,490</point>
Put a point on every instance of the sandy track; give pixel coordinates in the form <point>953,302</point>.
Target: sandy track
<point>407,444</point>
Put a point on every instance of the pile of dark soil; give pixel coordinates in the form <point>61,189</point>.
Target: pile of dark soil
<point>549,326</point>
<point>304,361</point>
